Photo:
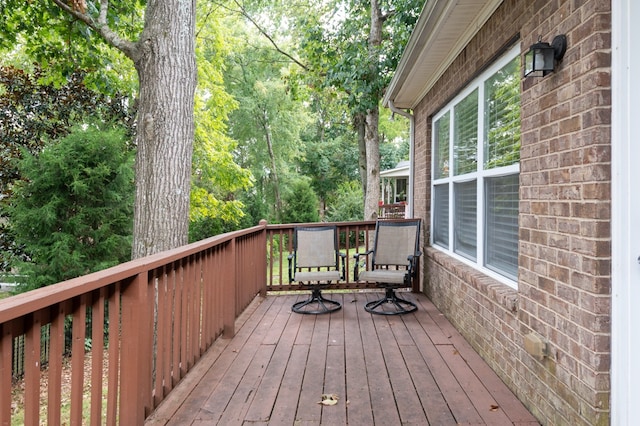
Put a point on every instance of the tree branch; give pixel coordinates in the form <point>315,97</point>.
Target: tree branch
<point>127,47</point>
<point>244,13</point>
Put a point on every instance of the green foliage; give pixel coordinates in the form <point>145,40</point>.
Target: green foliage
<point>391,154</point>
<point>33,112</point>
<point>73,211</point>
<point>502,117</point>
<point>329,162</point>
<point>255,208</point>
<point>300,204</point>
<point>208,226</point>
<point>336,47</point>
<point>269,121</point>
<point>394,139</point>
<point>217,178</point>
<point>41,32</point>
<point>346,205</point>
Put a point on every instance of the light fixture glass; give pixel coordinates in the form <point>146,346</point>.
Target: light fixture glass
<point>542,56</point>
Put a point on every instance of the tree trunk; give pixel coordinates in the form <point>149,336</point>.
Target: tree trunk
<point>166,66</point>
<point>373,165</point>
<point>371,137</point>
<point>359,124</point>
<point>274,171</point>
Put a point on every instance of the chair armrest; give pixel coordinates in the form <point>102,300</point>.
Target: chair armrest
<point>412,258</point>
<point>356,256</point>
<point>289,258</point>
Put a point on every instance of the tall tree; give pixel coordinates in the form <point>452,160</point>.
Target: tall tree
<point>372,117</point>
<point>161,48</point>
<point>389,26</point>
<point>356,49</point>
<point>269,120</point>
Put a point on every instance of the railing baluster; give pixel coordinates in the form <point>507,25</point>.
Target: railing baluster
<point>97,354</point>
<point>79,327</point>
<point>32,370</point>
<point>176,306</point>
<point>114,354</point>
<point>6,346</point>
<point>162,373</point>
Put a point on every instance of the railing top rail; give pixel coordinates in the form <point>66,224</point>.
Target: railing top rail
<point>25,303</point>
<point>312,224</point>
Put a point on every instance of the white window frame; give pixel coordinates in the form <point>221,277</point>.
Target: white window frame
<point>478,175</point>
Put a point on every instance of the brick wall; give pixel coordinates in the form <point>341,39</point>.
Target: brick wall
<point>563,292</point>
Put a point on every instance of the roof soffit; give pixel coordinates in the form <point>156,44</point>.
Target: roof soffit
<point>443,30</point>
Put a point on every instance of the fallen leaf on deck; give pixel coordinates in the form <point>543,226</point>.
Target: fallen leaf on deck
<point>329,399</point>
<point>495,407</point>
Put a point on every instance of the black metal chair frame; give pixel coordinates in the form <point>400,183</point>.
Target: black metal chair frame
<point>316,273</point>
<point>389,270</point>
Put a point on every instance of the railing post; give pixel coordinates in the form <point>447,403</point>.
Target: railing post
<point>135,360</point>
<point>263,256</point>
<point>6,343</point>
<point>229,292</point>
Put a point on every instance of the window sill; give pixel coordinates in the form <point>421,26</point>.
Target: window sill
<point>500,293</point>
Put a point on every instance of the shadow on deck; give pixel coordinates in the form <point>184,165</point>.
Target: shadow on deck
<point>411,369</point>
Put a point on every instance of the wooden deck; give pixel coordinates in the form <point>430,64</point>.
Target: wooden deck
<point>412,369</point>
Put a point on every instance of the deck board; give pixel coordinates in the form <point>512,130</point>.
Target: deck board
<point>386,370</point>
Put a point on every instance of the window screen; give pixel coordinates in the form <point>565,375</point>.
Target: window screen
<point>441,132</point>
<point>465,134</point>
<point>502,225</point>
<point>441,215</point>
<point>465,241</point>
<point>502,117</point>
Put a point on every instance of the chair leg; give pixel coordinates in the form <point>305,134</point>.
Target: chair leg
<point>322,304</point>
<point>401,306</point>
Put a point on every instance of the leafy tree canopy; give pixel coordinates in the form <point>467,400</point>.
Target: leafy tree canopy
<point>41,32</point>
<point>301,204</point>
<point>217,178</point>
<point>73,210</point>
<point>33,112</point>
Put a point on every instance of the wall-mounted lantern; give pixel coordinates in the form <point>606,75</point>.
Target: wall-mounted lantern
<point>542,56</point>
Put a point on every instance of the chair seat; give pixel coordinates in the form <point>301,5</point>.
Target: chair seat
<point>306,276</point>
<point>387,276</point>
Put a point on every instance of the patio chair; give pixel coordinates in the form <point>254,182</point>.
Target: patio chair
<point>315,263</point>
<point>393,264</point>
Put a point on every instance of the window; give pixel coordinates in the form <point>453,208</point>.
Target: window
<point>401,190</point>
<point>475,201</point>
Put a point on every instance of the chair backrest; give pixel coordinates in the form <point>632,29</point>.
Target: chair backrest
<point>395,241</point>
<point>315,247</point>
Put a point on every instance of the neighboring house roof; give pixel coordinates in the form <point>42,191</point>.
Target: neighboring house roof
<point>401,170</point>
<point>442,31</point>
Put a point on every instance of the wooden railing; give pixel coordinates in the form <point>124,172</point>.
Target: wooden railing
<point>128,334</point>
<point>392,211</point>
<point>135,330</point>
